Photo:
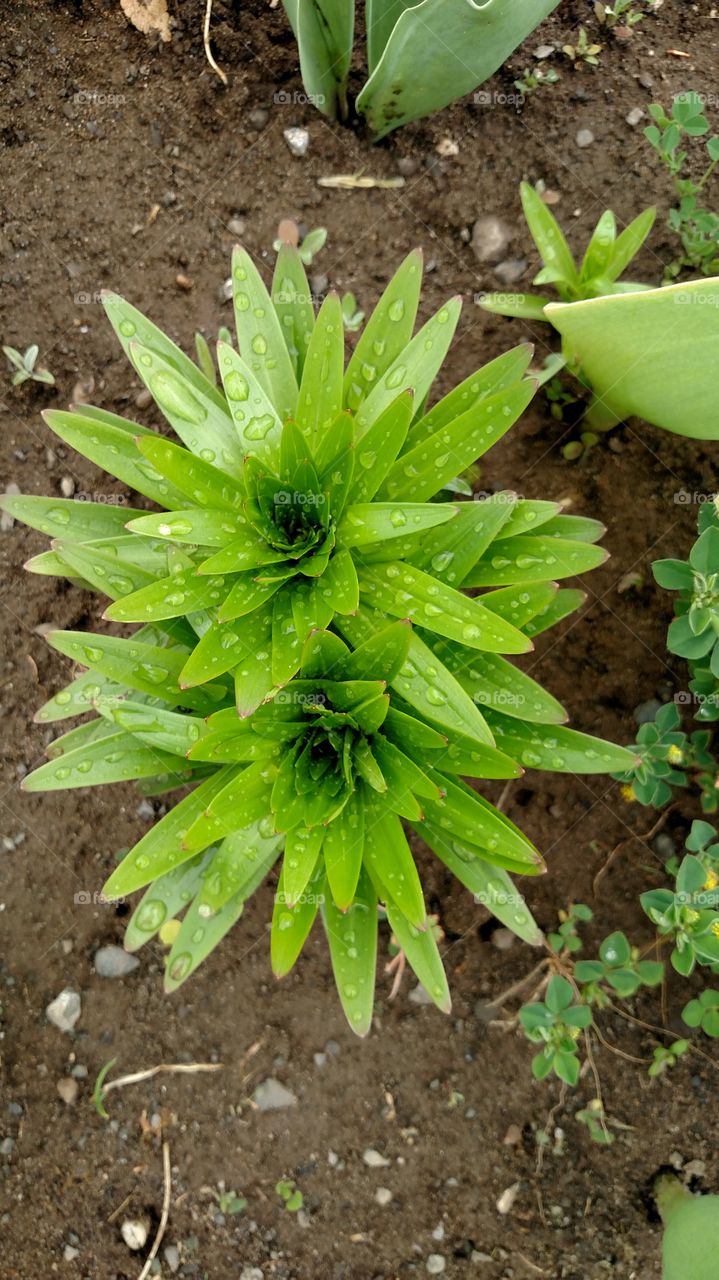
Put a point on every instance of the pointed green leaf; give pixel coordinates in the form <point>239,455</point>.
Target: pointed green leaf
<point>259,336</point>
<point>292,300</point>
<point>534,559</point>
<point>387,332</point>
<point>557,749</point>
<point>320,397</point>
<point>413,369</point>
<point>352,938</point>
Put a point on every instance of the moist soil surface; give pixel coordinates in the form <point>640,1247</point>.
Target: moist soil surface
<point>128,165</point>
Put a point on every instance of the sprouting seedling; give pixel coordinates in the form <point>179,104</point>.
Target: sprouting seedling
<point>25,366</point>
<point>583,50</point>
<point>624,12</point>
<point>696,226</point>
<point>229,1201</point>
<point>534,78</point>
<point>288,233</point>
<point>704,1013</point>
<point>566,937</point>
<point>290,1194</point>
<point>691,1230</point>
<point>352,317</point>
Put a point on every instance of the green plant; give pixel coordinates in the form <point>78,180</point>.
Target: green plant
<point>666,1057</point>
<point>646,353</point>
<point>352,317</point>
<point>229,1201</point>
<point>687,916</point>
<point>597,1122</point>
<point>622,11</point>
<point>420,57</point>
<point>696,226</point>
<point>691,1230</point>
<point>566,936</point>
<point>556,1023</point>
<point>535,78</point>
<point>583,50</point>
<point>308,247</point>
<point>290,1195</point>
<point>703,1012</point>
<point>606,258</point>
<point>25,366</point>
<point>660,745</point>
<point>276,668</point>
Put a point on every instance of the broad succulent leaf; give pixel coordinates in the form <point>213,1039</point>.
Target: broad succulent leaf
<point>307,658</point>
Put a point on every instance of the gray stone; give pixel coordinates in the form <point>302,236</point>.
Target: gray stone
<point>64,1011</point>
<point>251,1273</point>
<point>172,1257</point>
<point>69,1253</point>
<point>236,227</point>
<point>7,1146</point>
<point>490,237</point>
<point>436,1264</point>
<point>271,1095</point>
<point>259,117</point>
<point>636,115</point>
<point>114,962</point>
<point>298,140</point>
<point>585,138</point>
<point>511,270</point>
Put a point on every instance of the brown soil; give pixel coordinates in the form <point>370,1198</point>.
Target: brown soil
<point>123,163</point>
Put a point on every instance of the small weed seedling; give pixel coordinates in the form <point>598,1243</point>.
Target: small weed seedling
<point>229,1201</point>
<point>696,226</point>
<point>624,12</point>
<point>534,78</point>
<point>307,248</point>
<point>352,317</point>
<point>704,1013</point>
<point>583,51</point>
<point>290,1195</point>
<point>26,368</point>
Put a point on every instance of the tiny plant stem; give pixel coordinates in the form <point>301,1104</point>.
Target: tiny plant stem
<point>206,41</point>
<point>707,174</point>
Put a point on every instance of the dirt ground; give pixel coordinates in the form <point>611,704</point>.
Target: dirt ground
<point>123,164</point>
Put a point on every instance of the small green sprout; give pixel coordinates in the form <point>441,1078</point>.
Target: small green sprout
<point>620,967</point>
<point>622,12</point>
<point>309,247</point>
<point>352,317</point>
<point>583,50</point>
<point>534,78</point>
<point>565,936</point>
<point>289,1192</point>
<point>557,1024</point>
<point>594,1117</point>
<point>229,1201</point>
<point>696,226</point>
<point>688,916</point>
<point>665,1058</point>
<point>25,366</point>
<point>704,1012</point>
<point>98,1090</point>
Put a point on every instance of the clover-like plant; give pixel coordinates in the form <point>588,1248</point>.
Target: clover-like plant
<point>556,1023</point>
<point>274,667</point>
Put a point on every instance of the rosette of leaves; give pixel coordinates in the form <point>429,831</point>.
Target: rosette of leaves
<point>618,966</point>
<point>688,915</point>
<point>660,746</point>
<point>556,1023</point>
<point>297,500</point>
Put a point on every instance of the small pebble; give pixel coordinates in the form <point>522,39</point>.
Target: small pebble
<point>506,1201</point>
<point>503,939</point>
<point>383,1196</point>
<point>143,399</point>
<point>436,1264</point>
<point>6,1146</point>
<point>490,237</point>
<point>145,810</point>
<point>69,1253</point>
<point>236,227</point>
<point>333,1047</point>
<point>172,1257</point>
<point>114,962</point>
<point>259,117</point>
<point>68,1089</point>
<point>585,138</point>
<point>418,995</point>
<point>251,1273</point>
<point>374,1160</point>
<point>320,1059</point>
<point>635,116</point>
<point>134,1232</point>
<point>544,51</point>
<point>298,140</point>
<point>271,1095</point>
<point>64,1011</point>
<point>407,166</point>
<point>67,486</point>
<point>511,270</point>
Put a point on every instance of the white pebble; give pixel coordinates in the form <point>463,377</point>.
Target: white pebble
<point>374,1160</point>
<point>67,486</point>
<point>436,1264</point>
<point>383,1196</point>
<point>134,1233</point>
<point>298,140</point>
<point>64,1011</point>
